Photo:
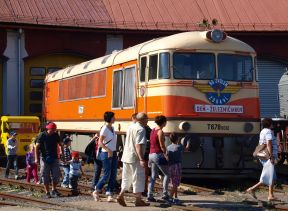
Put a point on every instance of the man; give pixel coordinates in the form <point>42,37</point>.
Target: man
<point>12,154</point>
<point>133,161</point>
<point>47,144</point>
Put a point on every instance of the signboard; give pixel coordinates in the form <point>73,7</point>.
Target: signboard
<point>227,109</point>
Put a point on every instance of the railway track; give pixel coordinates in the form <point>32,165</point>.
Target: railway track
<point>85,191</point>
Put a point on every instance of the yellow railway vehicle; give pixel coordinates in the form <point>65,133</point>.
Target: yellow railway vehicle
<point>26,127</point>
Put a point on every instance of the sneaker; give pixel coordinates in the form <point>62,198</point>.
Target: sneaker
<point>16,177</point>
<point>108,193</point>
<point>64,185</point>
<point>151,199</point>
<point>96,196</point>
<point>141,203</point>
<point>165,198</point>
<point>55,193</point>
<point>110,199</point>
<point>47,195</point>
<point>70,186</point>
<point>176,201</point>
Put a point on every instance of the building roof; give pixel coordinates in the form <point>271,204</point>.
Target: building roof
<point>182,41</point>
<point>182,15</point>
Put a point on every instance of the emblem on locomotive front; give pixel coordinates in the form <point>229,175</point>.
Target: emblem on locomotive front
<point>218,91</point>
<point>217,96</point>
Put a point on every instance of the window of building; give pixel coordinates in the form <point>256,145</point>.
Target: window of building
<point>38,71</point>
<point>153,64</point>
<point>36,83</point>
<point>35,108</point>
<point>36,95</point>
<point>164,63</point>
<point>52,69</point>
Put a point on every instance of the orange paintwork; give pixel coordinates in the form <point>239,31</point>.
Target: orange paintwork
<point>93,108</point>
<point>170,106</point>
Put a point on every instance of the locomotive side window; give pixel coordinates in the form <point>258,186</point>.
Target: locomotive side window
<point>198,66</point>
<point>164,64</point>
<point>143,68</point>
<point>129,87</point>
<point>153,64</point>
<point>124,88</point>
<point>91,85</point>
<point>117,89</point>
<point>235,67</point>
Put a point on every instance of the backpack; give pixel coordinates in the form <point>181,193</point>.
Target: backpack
<point>90,150</point>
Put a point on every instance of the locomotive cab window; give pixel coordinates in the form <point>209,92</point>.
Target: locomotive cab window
<point>197,66</point>
<point>143,63</point>
<point>153,64</point>
<point>235,67</point>
<point>164,63</point>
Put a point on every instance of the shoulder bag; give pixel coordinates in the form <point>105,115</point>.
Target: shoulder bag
<point>261,152</point>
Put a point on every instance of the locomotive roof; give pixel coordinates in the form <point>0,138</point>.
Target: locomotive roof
<point>195,40</point>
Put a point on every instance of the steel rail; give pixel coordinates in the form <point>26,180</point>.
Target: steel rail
<point>27,199</point>
<point>281,207</point>
<point>33,186</point>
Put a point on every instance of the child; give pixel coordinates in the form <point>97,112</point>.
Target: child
<point>175,151</point>
<point>12,146</point>
<point>66,158</point>
<point>31,165</point>
<point>75,168</point>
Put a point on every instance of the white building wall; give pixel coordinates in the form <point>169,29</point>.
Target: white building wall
<point>13,73</point>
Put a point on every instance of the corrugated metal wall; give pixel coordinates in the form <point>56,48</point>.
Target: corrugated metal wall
<point>269,74</point>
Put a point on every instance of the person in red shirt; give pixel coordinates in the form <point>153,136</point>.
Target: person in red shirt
<point>158,159</point>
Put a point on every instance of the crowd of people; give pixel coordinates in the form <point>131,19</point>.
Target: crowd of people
<point>144,153</point>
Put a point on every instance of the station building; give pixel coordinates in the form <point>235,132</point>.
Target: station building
<point>37,37</point>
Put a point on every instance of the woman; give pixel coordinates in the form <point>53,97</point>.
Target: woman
<point>158,159</point>
<point>108,156</point>
<point>267,138</point>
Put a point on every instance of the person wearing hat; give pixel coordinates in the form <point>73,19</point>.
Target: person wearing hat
<point>47,144</point>
<point>66,158</point>
<point>75,169</point>
<point>12,146</point>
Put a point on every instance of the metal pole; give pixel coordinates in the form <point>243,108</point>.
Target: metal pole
<point>19,70</point>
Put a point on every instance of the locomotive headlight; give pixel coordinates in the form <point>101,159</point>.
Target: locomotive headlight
<point>184,126</point>
<point>216,35</point>
<point>248,127</point>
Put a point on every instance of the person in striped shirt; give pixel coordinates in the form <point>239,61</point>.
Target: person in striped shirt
<point>66,158</point>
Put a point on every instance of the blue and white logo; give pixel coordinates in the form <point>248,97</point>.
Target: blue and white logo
<point>218,96</point>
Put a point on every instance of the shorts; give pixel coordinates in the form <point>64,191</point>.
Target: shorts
<point>175,171</point>
<point>53,168</point>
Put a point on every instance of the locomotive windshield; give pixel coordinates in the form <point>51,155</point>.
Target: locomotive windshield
<point>235,67</point>
<point>199,66</point>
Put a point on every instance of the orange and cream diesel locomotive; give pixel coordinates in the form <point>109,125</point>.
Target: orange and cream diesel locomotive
<point>203,82</point>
